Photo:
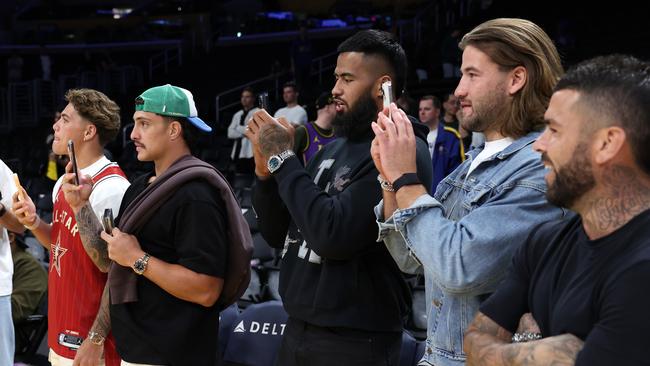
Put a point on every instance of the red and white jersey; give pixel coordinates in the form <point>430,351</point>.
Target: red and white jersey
<point>75,283</point>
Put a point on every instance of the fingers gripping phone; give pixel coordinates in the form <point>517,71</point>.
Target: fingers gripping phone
<point>73,160</point>
<point>107,220</point>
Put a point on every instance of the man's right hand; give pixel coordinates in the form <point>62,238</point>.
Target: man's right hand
<point>88,354</point>
<point>77,196</point>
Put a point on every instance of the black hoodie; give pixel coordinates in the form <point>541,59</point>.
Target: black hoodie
<point>334,273</point>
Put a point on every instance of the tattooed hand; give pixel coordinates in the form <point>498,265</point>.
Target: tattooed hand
<point>487,344</point>
<point>272,136</point>
<point>528,324</point>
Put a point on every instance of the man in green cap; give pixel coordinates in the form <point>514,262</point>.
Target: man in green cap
<point>178,254</point>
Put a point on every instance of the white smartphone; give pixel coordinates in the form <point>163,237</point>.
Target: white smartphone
<point>387,89</point>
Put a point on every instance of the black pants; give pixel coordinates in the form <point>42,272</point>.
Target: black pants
<point>304,344</point>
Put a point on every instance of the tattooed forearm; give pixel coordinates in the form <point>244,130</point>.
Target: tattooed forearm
<point>485,325</point>
<point>102,324</point>
<point>89,229</point>
<point>560,350</point>
<point>274,139</point>
<point>486,343</point>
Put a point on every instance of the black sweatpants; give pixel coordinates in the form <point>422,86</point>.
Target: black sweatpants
<point>305,344</point>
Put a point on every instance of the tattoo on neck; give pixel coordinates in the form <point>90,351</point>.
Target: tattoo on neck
<point>626,196</point>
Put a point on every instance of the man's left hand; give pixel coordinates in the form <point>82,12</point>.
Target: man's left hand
<point>123,248</point>
<point>273,135</point>
<point>395,141</point>
<point>88,354</point>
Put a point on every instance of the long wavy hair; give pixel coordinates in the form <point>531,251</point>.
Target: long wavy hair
<point>511,42</point>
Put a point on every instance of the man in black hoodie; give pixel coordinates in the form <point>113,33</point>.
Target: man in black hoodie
<point>345,296</point>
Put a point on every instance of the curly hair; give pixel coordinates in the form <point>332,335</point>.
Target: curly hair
<point>98,109</point>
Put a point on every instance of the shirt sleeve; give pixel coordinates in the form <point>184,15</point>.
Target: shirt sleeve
<point>300,140</point>
<point>303,116</point>
<point>510,300</point>
<point>235,131</point>
<point>7,187</point>
<point>108,194</point>
<point>200,235</point>
<point>272,215</point>
<point>620,336</point>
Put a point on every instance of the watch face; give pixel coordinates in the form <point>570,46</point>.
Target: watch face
<point>138,266</point>
<point>274,163</point>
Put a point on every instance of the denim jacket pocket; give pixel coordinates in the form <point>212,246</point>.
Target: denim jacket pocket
<point>477,196</point>
<point>444,189</point>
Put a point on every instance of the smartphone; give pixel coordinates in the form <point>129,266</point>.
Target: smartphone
<point>387,91</point>
<point>263,100</point>
<point>73,159</point>
<point>19,187</point>
<point>107,220</point>
<point>70,341</point>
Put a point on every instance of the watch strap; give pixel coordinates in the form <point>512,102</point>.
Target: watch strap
<point>286,154</point>
<point>279,159</point>
<point>407,179</point>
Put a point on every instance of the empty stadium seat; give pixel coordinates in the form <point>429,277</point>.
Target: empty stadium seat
<point>227,319</point>
<point>257,335</point>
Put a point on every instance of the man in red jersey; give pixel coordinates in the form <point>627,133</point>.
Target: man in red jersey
<point>78,264</point>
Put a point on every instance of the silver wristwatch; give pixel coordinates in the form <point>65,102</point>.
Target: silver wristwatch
<point>141,264</point>
<point>275,161</point>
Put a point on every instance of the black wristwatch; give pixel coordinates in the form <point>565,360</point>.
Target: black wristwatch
<point>407,179</point>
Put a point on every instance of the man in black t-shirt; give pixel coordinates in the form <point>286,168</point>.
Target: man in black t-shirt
<point>178,255</point>
<point>583,279</point>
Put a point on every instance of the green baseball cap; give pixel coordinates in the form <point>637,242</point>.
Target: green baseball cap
<point>172,101</point>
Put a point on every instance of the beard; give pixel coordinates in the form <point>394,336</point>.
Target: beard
<point>487,112</point>
<point>571,180</point>
<point>355,123</point>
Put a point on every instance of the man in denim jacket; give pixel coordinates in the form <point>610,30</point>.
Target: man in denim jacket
<point>462,239</point>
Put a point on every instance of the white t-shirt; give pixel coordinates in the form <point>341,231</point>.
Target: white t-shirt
<point>431,140</point>
<point>103,196</point>
<point>296,114</point>
<point>491,148</point>
<point>236,131</point>
<point>8,189</point>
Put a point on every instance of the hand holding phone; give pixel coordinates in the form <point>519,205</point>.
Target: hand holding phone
<point>107,220</point>
<point>19,187</point>
<point>73,160</point>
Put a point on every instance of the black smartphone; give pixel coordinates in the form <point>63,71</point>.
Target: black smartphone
<point>263,100</point>
<point>73,159</point>
<point>107,220</point>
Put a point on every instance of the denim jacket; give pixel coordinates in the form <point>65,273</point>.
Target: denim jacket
<point>463,238</point>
